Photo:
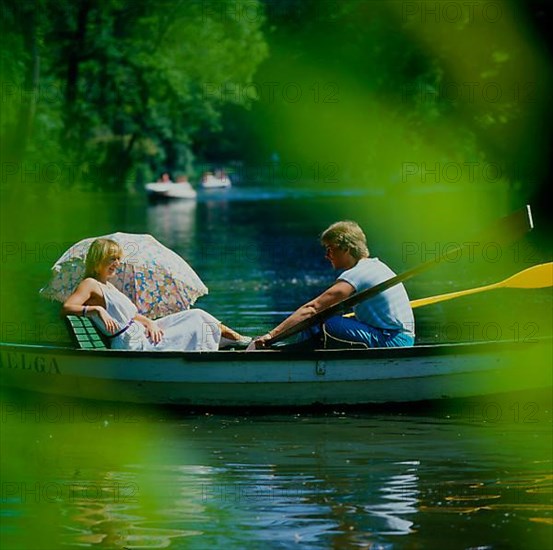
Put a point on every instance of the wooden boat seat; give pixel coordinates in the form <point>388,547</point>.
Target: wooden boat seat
<point>84,333</point>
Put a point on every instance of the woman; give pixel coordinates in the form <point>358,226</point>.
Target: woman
<point>118,318</point>
<point>385,320</point>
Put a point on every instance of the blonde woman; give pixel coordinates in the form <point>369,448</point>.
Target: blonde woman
<point>118,318</point>
<point>385,320</point>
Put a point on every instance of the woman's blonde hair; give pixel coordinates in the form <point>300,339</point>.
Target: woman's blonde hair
<point>100,250</point>
<point>347,235</point>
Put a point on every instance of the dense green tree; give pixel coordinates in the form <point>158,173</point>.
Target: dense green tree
<point>129,83</point>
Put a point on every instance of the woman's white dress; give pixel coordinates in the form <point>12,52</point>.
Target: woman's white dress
<point>189,330</point>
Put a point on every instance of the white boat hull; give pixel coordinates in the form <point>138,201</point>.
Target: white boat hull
<point>171,190</point>
<point>279,379</point>
<point>216,183</point>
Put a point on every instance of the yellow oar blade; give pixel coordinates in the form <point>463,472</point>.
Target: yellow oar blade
<point>450,296</point>
<point>538,276</point>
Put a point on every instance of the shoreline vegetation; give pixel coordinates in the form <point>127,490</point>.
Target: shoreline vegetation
<point>110,96</point>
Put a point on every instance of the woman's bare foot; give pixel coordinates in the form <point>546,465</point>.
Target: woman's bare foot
<point>230,334</point>
<point>230,338</point>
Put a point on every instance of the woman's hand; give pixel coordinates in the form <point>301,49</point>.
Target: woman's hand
<point>109,322</point>
<point>153,332</point>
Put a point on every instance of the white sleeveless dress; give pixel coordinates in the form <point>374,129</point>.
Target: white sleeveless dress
<point>189,330</point>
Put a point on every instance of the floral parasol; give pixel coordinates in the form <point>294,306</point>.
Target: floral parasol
<point>156,279</point>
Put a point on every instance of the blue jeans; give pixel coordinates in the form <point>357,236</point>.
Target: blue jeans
<point>350,329</point>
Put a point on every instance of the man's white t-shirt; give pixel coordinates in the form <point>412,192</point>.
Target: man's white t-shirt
<point>388,310</point>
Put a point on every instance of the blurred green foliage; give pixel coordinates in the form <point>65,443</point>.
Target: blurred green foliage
<point>393,89</point>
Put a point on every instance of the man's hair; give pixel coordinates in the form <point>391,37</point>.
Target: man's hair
<point>347,235</point>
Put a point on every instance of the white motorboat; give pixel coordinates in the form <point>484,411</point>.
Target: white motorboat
<point>181,190</point>
<point>213,182</point>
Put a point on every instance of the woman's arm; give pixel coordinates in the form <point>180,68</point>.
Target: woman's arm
<point>329,297</point>
<point>76,305</point>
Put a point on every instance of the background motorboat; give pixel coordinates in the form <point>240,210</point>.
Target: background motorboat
<point>182,190</point>
<point>213,182</point>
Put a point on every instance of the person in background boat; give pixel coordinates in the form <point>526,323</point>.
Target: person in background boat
<point>225,178</point>
<point>207,177</point>
<point>385,320</point>
<point>118,318</point>
<point>221,175</point>
<point>165,178</point>
<point>182,179</point>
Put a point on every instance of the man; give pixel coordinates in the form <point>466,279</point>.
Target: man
<point>386,320</point>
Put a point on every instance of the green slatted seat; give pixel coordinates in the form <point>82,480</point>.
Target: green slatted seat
<point>84,333</point>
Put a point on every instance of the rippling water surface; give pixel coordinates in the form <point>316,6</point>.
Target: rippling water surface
<point>102,475</point>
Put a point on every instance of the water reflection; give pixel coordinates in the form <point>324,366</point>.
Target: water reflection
<point>173,222</point>
<point>401,495</point>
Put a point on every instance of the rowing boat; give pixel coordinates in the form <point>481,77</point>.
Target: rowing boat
<point>290,378</point>
<point>272,378</point>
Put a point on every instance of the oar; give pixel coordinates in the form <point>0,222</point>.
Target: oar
<point>538,276</point>
<point>506,230</point>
